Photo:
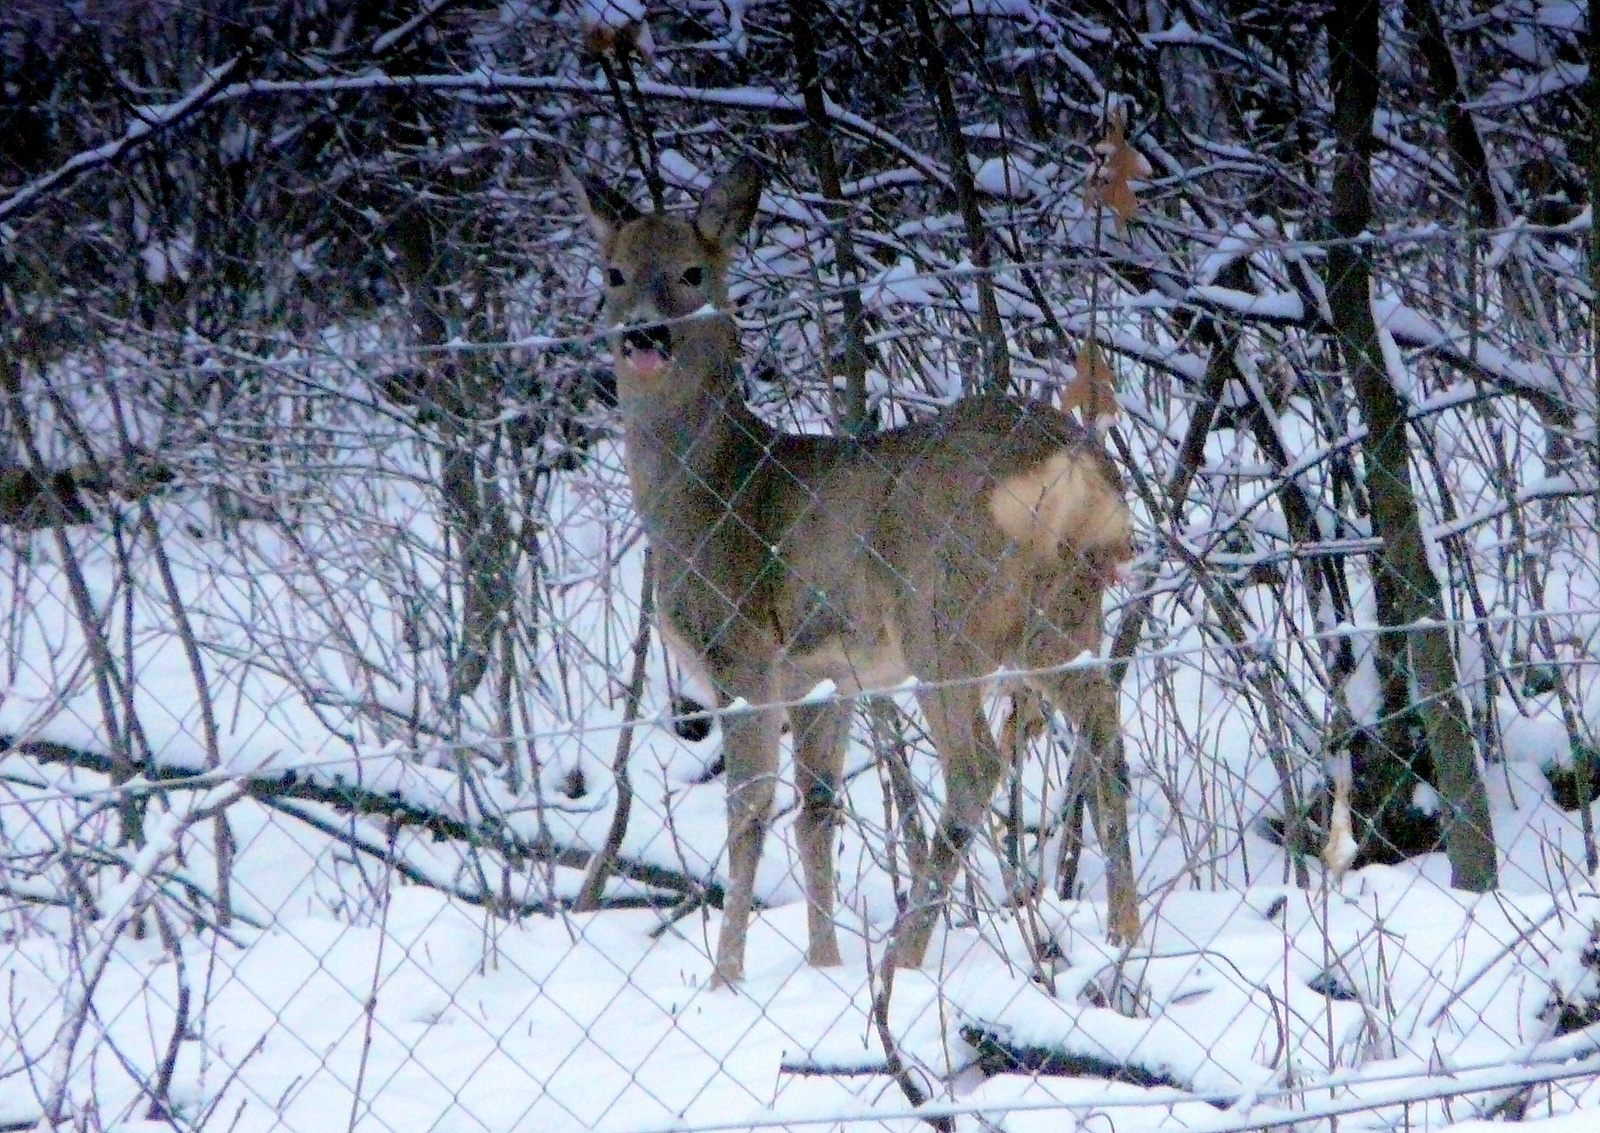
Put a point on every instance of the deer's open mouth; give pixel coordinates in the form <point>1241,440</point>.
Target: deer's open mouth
<point>647,349</point>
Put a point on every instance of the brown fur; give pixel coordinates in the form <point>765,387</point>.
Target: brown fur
<point>981,537</point>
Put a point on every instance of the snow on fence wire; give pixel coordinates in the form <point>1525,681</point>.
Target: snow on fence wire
<point>270,861</point>
<point>344,782</point>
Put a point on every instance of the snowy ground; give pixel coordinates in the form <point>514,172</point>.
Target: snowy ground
<point>351,992</point>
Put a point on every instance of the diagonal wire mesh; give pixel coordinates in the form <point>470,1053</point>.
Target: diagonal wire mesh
<point>326,665</point>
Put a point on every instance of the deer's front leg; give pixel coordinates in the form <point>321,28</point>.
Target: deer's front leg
<point>750,754</point>
<point>819,735</point>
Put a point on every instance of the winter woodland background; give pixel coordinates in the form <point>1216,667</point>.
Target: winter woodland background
<point>343,784</point>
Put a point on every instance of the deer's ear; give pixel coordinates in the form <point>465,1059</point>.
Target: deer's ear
<point>606,209</point>
<point>729,205</point>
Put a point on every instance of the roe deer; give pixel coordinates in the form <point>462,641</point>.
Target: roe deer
<point>984,536</point>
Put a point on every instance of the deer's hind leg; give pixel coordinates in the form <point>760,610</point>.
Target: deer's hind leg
<point>972,767</point>
<point>1089,700</point>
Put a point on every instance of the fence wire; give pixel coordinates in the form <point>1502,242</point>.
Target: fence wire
<point>345,779</point>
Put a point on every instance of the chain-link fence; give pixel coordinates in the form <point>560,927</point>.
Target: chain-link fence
<point>347,781</point>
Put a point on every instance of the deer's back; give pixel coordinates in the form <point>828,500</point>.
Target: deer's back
<point>939,533</point>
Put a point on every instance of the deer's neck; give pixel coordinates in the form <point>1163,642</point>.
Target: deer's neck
<point>694,449</point>
<point>707,440</point>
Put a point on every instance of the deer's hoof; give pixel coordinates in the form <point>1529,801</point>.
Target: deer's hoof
<point>1124,928</point>
<point>908,955</point>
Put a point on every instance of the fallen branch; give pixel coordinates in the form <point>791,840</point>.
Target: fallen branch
<point>1000,1055</point>
<point>271,789</point>
<point>374,845</point>
<point>809,1068</point>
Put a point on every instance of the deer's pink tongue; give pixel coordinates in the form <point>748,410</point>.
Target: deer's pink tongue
<point>643,361</point>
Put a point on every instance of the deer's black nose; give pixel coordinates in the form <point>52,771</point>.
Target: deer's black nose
<point>657,338</point>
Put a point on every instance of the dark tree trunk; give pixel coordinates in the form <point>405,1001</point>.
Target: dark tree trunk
<point>936,77</point>
<point>474,505</point>
<point>819,147</point>
<point>1466,147</point>
<point>1406,583</point>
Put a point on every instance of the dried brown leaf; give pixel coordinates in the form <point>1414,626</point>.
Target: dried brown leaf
<point>1111,184</point>
<point>1092,391</point>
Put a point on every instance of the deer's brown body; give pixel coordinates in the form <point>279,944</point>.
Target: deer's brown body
<point>980,538</point>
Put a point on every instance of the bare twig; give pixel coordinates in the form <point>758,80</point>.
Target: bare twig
<point>600,865</point>
<point>369,1009</point>
<point>893,1062</point>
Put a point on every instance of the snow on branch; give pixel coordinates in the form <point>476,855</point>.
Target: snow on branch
<point>1507,93</point>
<point>386,787</point>
<point>1415,329</point>
<point>151,121</point>
<point>1271,307</point>
<point>213,92</point>
<point>121,904</point>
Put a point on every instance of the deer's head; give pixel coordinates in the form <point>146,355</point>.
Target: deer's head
<point>663,269</point>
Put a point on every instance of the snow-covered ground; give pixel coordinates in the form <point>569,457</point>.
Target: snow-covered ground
<point>366,980</point>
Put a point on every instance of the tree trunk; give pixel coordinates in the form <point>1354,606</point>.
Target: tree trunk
<point>936,77</point>
<point>1401,566</point>
<point>474,506</point>
<point>824,162</point>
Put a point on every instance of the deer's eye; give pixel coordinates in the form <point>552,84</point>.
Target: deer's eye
<point>694,276</point>
<point>615,278</point>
